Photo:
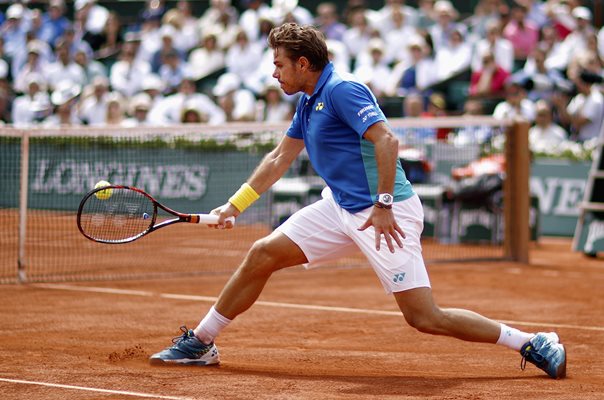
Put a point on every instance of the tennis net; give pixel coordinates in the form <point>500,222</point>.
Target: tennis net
<point>45,173</point>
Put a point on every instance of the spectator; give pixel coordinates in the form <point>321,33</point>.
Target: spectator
<point>472,134</point>
<point>454,58</point>
<point>127,74</point>
<point>110,39</point>
<point>192,114</point>
<point>33,65</point>
<point>338,55</point>
<point>413,107</point>
<point>115,115</point>
<point>44,51</point>
<point>154,88</point>
<point>220,13</point>
<point>13,30</point>
<point>437,107</point>
<point>498,46</point>
<point>358,35</point>
<point>601,43</point>
<point>172,71</point>
<point>207,58</point>
<point>34,105</point>
<point>167,34</point>
<point>426,16</point>
<point>383,19</point>
<point>273,107</point>
<point>397,38</point>
<point>541,81</point>
<point>74,42</point>
<point>91,68</point>
<point>250,18</point>
<point>522,33</point>
<point>290,11</point>
<point>54,22</point>
<point>418,74</point>
<point>93,106</point>
<point>92,19</point>
<point>486,13</point>
<point>238,104</point>
<point>150,38</point>
<point>576,41</point>
<point>243,58</point>
<point>372,67</point>
<point>139,106</point>
<point>185,37</point>
<point>545,134</point>
<point>585,112</point>
<point>64,68</point>
<point>536,11</point>
<point>440,33</point>
<point>489,81</point>
<point>65,100</point>
<point>168,110</point>
<point>515,104</point>
<point>328,22</point>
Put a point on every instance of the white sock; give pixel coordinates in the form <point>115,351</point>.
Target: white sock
<point>210,326</point>
<point>513,338</point>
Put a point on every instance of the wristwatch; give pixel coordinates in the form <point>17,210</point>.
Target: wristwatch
<point>384,200</point>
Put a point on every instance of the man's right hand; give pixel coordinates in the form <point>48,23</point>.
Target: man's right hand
<point>225,211</point>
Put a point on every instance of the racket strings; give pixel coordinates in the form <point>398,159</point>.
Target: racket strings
<point>125,215</point>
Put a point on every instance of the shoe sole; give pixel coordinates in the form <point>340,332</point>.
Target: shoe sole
<point>182,362</point>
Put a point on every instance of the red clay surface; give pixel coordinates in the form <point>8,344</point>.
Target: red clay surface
<point>102,340</point>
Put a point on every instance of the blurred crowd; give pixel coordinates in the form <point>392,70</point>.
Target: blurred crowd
<point>88,65</point>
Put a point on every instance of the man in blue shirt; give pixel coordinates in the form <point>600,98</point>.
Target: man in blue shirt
<point>368,204</point>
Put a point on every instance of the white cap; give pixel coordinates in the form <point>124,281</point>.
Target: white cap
<point>445,7</point>
<point>64,91</point>
<point>79,4</point>
<point>140,101</point>
<point>14,11</point>
<point>226,83</point>
<point>152,82</point>
<point>167,31</point>
<point>582,13</point>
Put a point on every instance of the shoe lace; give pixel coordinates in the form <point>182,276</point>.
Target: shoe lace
<point>183,336</point>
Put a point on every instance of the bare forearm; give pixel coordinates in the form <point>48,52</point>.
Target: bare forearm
<point>386,154</point>
<point>275,164</point>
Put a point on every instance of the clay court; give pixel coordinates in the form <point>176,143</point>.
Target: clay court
<point>320,334</point>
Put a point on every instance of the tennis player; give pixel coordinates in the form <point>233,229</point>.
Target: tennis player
<point>368,204</point>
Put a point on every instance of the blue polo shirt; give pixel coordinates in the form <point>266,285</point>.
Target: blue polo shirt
<point>332,122</point>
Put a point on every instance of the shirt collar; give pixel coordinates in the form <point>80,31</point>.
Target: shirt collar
<point>325,75</point>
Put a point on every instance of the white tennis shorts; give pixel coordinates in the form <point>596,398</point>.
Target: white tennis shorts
<point>325,231</point>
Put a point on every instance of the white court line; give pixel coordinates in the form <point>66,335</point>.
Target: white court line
<point>209,299</point>
<point>91,389</point>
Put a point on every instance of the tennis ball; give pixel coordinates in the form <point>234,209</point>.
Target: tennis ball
<point>103,194</point>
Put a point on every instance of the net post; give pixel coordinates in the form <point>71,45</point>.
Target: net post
<point>23,192</point>
<point>516,192</point>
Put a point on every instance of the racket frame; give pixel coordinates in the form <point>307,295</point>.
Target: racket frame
<point>210,219</point>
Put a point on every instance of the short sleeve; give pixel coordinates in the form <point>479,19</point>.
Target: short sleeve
<point>356,106</point>
<point>295,130</point>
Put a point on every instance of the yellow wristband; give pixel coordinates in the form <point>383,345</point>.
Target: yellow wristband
<point>244,197</point>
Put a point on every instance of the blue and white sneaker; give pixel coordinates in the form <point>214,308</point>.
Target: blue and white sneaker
<point>187,350</point>
<point>547,353</point>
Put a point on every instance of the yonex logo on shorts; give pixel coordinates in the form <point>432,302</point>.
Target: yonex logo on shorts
<point>398,278</point>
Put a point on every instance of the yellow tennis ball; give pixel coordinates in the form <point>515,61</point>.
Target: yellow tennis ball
<point>103,194</point>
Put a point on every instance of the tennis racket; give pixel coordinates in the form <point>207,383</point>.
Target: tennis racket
<point>122,214</point>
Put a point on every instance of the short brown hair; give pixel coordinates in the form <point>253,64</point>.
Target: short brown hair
<point>301,41</point>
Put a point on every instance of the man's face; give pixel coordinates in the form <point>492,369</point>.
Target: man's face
<point>287,72</point>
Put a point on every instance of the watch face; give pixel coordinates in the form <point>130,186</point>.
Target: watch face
<point>385,198</point>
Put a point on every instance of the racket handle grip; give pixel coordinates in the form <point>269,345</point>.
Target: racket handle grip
<point>210,219</point>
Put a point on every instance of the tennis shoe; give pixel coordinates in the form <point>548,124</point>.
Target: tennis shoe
<point>187,350</point>
<point>547,353</point>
